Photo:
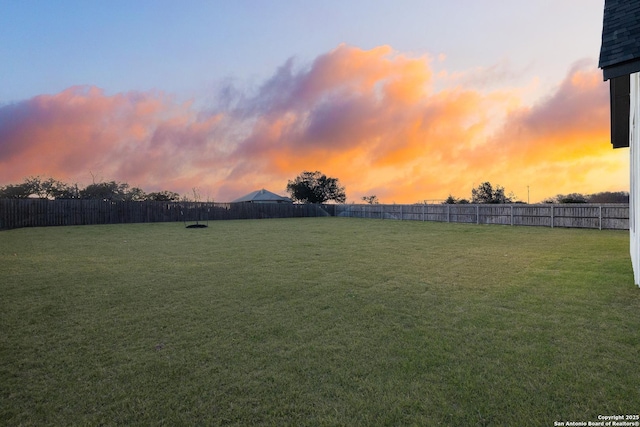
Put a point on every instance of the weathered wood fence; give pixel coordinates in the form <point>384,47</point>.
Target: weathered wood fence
<point>16,213</point>
<point>600,216</point>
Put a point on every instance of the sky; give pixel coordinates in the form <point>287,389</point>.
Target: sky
<point>407,100</point>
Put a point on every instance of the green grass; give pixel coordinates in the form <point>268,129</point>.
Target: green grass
<point>324,321</point>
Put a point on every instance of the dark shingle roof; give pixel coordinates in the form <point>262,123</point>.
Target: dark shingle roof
<point>620,49</point>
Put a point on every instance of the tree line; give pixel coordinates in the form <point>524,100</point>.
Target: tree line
<point>308,187</point>
<point>487,193</point>
<point>602,197</point>
<point>53,189</point>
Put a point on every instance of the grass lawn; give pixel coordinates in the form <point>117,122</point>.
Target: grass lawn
<point>316,321</point>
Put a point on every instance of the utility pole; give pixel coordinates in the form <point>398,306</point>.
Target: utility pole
<point>527,194</point>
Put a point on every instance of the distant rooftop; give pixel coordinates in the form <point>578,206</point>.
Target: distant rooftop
<point>262,196</point>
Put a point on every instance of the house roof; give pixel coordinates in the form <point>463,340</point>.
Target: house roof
<point>620,49</point>
<point>262,196</point>
<point>619,58</point>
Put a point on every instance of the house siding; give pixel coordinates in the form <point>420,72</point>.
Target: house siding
<point>634,193</point>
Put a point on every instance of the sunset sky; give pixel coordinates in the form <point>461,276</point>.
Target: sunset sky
<point>409,100</point>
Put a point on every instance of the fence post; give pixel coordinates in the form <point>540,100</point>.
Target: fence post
<point>552,216</point>
<point>422,213</point>
<point>401,213</point>
<point>448,213</point>
<point>477,214</point>
<point>511,214</point>
<point>600,218</point>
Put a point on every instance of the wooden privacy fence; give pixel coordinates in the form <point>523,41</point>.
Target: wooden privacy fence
<point>16,213</point>
<point>600,216</point>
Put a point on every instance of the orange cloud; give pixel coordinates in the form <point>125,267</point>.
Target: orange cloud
<point>558,143</point>
<point>381,122</point>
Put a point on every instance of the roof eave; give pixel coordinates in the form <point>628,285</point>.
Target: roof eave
<point>619,70</point>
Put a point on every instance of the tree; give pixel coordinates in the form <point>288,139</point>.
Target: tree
<point>54,189</point>
<point>315,187</point>
<point>16,191</point>
<point>450,200</point>
<point>35,186</point>
<point>610,197</point>
<point>572,198</point>
<point>163,196</point>
<point>135,194</point>
<point>113,191</point>
<point>485,193</point>
<point>567,198</point>
<point>372,200</point>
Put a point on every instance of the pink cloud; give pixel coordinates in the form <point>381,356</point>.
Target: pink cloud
<point>136,137</point>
